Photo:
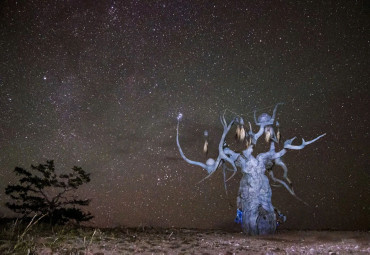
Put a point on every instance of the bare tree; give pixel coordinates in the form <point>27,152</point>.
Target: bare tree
<point>255,210</point>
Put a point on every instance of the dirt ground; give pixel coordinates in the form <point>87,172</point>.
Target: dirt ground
<point>185,241</point>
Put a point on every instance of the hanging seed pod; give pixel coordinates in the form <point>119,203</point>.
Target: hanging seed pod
<point>205,147</point>
<point>278,135</point>
<point>242,134</point>
<point>237,134</point>
<point>267,134</point>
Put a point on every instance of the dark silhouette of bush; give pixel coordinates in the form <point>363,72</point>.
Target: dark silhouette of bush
<point>42,191</point>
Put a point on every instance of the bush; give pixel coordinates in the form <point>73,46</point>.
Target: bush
<point>42,191</point>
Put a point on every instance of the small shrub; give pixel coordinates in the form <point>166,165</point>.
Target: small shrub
<point>42,192</point>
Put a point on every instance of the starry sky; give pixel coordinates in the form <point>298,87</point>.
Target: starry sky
<point>99,84</point>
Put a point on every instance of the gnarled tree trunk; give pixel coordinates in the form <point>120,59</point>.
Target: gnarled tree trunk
<point>254,200</point>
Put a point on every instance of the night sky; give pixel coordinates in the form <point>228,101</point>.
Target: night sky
<point>98,84</point>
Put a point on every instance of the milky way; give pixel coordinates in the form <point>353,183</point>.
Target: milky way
<point>99,84</point>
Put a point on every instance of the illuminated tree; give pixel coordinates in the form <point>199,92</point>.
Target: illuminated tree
<point>255,211</point>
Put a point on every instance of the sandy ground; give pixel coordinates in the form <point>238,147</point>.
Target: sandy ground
<point>184,241</point>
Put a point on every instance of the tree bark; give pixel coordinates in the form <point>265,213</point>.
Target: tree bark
<point>254,200</point>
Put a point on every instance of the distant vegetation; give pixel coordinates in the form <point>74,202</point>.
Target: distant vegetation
<point>43,193</point>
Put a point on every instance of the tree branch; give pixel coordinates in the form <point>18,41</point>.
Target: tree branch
<point>288,143</point>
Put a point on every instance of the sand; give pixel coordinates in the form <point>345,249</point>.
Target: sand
<point>188,241</point>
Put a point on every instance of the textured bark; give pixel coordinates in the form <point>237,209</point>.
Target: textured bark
<point>254,199</point>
